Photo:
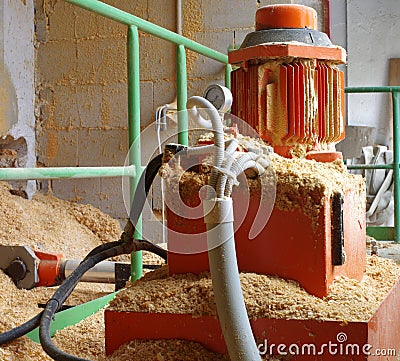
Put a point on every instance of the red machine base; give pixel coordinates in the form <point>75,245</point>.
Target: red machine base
<point>291,245</point>
<point>315,340</point>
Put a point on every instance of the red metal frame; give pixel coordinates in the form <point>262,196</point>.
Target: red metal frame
<point>380,331</point>
<point>327,17</point>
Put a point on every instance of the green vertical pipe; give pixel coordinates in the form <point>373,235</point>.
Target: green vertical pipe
<point>134,133</point>
<point>181,90</point>
<point>228,71</point>
<point>396,163</point>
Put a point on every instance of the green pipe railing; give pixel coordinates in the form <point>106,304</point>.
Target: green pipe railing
<point>66,172</point>
<point>182,43</point>
<point>387,233</point>
<point>134,169</point>
<point>134,24</point>
<point>181,90</point>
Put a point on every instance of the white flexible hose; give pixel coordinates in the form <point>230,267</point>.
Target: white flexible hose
<point>241,164</point>
<point>199,102</point>
<point>226,164</point>
<point>209,148</point>
<point>224,270</point>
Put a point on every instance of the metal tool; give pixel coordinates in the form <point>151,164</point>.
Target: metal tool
<point>29,269</point>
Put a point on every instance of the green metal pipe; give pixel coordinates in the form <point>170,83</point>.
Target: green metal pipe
<point>65,172</point>
<point>228,71</point>
<point>181,91</point>
<point>396,163</point>
<point>372,89</point>
<point>370,166</point>
<point>134,133</point>
<point>128,19</point>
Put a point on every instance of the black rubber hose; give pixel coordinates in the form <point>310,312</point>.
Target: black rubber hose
<point>143,188</point>
<point>102,247</point>
<point>21,330</point>
<point>65,290</point>
<point>153,248</point>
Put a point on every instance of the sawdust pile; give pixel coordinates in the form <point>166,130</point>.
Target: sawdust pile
<point>86,339</point>
<point>275,296</point>
<point>300,183</point>
<point>265,296</point>
<point>53,225</point>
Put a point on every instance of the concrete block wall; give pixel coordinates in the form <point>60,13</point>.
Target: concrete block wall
<point>373,38</point>
<point>81,90</point>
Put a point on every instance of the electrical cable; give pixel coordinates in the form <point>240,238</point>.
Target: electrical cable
<point>65,290</point>
<point>101,248</point>
<point>70,283</point>
<point>158,125</point>
<point>20,330</point>
<point>142,190</point>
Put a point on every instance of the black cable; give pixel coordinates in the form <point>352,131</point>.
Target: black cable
<point>62,294</point>
<point>143,188</point>
<point>67,287</point>
<point>153,248</point>
<point>102,247</point>
<point>21,330</point>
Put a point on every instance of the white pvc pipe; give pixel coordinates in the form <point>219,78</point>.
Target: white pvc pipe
<point>179,22</point>
<point>218,216</point>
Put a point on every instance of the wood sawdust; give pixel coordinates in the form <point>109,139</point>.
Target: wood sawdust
<point>53,225</point>
<point>49,224</point>
<point>86,339</point>
<point>265,296</point>
<point>347,300</point>
<point>300,183</point>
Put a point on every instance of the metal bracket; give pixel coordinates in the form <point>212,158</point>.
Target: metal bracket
<point>20,263</point>
<point>338,253</point>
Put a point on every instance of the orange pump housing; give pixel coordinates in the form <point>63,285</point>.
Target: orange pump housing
<point>290,92</point>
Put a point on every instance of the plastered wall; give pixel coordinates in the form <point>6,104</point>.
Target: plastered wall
<point>369,30</point>
<point>17,120</point>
